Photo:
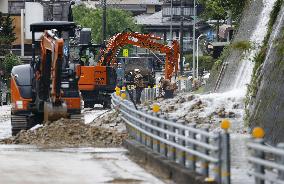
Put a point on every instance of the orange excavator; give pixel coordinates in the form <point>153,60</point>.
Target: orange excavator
<point>96,83</point>
<point>47,88</point>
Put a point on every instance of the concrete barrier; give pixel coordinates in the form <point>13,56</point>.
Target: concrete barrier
<point>161,166</point>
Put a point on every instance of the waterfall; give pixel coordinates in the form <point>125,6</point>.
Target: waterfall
<point>245,71</point>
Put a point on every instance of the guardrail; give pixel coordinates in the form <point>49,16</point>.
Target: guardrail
<point>198,150</point>
<point>267,161</point>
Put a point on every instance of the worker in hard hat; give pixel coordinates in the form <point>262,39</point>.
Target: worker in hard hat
<point>167,87</point>
<point>139,85</point>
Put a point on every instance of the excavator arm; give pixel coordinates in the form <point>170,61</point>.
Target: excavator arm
<point>49,76</point>
<point>51,63</point>
<point>143,41</point>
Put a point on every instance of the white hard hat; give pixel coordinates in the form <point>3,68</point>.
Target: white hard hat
<point>136,70</point>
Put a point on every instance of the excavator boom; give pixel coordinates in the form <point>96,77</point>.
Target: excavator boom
<point>143,41</point>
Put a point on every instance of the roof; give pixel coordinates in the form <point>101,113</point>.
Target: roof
<point>157,19</point>
<point>130,2</point>
<point>47,25</point>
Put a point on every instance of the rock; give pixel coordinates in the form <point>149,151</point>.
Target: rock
<point>190,98</point>
<point>232,115</point>
<point>181,100</point>
<point>236,106</point>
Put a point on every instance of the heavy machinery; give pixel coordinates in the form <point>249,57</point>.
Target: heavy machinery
<point>98,82</point>
<point>47,88</point>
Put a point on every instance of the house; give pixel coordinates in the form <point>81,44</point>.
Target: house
<point>135,6</point>
<point>160,22</point>
<point>25,12</point>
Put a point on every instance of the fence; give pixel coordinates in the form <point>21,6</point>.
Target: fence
<point>184,85</point>
<point>196,149</point>
<point>152,93</point>
<point>267,161</point>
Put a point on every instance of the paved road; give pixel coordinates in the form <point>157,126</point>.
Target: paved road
<point>22,164</point>
<point>30,165</point>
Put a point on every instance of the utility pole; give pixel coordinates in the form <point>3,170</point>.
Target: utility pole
<point>193,39</point>
<point>104,21</point>
<point>181,36</point>
<point>171,28</point>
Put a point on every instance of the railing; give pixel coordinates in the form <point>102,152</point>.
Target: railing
<point>150,94</point>
<point>184,85</point>
<point>198,150</point>
<point>267,161</point>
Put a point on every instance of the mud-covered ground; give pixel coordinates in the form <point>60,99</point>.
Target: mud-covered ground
<point>69,152</point>
<point>105,130</point>
<point>68,133</point>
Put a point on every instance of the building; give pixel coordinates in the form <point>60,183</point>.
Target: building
<point>159,23</point>
<point>4,6</point>
<point>25,12</point>
<point>137,7</point>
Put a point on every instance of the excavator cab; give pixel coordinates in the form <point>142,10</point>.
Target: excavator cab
<point>47,88</point>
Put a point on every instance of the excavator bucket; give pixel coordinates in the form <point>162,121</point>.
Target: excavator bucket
<point>53,113</point>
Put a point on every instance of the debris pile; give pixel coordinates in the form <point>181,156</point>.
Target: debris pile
<point>110,121</point>
<point>205,110</point>
<point>68,133</point>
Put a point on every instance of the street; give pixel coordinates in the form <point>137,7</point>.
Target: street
<point>28,164</point>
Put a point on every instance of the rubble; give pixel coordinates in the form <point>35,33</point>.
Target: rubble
<point>207,109</point>
<point>72,133</point>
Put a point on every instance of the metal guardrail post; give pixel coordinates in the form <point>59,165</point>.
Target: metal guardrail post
<point>149,138</point>
<point>179,85</point>
<point>281,161</point>
<point>156,143</point>
<point>217,168</point>
<point>204,163</point>
<point>171,149</point>
<point>181,154</point>
<point>131,130</point>
<point>144,141</point>
<point>260,169</point>
<point>163,146</point>
<point>225,153</point>
<point>226,159</point>
<point>138,133</point>
<point>191,159</point>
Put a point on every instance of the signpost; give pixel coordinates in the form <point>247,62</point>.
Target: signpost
<point>125,53</point>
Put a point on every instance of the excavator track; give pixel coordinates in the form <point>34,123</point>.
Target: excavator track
<point>77,117</point>
<point>19,123</point>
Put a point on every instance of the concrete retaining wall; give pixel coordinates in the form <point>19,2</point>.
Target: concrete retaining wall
<point>161,166</point>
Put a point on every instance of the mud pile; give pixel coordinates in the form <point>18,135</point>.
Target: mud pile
<point>68,133</point>
<point>110,121</point>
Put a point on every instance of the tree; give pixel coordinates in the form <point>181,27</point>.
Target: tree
<point>6,65</point>
<point>220,10</point>
<point>7,35</point>
<point>117,21</point>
